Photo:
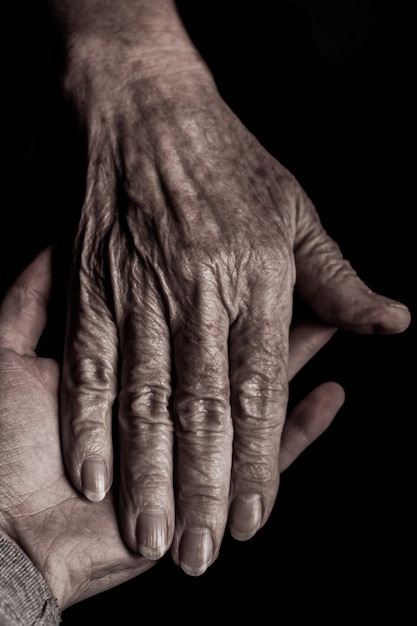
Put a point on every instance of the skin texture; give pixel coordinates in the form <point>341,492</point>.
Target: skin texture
<point>191,241</point>
<point>41,511</point>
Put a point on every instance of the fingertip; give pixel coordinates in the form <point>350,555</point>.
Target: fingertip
<point>317,411</point>
<point>245,516</point>
<point>382,316</point>
<point>94,479</point>
<point>335,394</point>
<point>152,533</point>
<point>93,496</point>
<point>362,311</point>
<point>196,551</point>
<point>397,318</point>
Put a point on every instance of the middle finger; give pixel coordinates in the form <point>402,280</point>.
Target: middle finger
<point>204,433</point>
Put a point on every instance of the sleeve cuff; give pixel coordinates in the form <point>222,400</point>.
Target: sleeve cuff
<point>25,597</point>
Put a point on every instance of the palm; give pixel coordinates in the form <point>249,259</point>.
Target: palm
<point>40,506</point>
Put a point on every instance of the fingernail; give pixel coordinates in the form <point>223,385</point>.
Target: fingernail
<point>94,479</point>
<point>245,516</point>
<point>398,305</point>
<point>196,551</point>
<point>151,533</point>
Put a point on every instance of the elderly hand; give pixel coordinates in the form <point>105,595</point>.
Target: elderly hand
<point>74,543</point>
<point>190,242</point>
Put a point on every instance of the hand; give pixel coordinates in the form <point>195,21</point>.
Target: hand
<point>191,239</point>
<point>75,544</point>
<point>41,511</point>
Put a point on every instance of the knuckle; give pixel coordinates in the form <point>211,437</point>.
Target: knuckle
<point>256,472</point>
<point>88,372</point>
<point>151,404</point>
<point>149,481</point>
<point>195,413</point>
<point>260,405</point>
<point>269,266</point>
<point>87,434</point>
<point>336,270</point>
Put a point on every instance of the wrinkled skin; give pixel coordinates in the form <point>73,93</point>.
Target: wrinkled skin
<point>41,511</point>
<point>191,240</point>
<point>74,543</point>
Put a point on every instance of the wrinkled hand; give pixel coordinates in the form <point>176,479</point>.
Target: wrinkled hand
<point>74,543</point>
<point>191,239</point>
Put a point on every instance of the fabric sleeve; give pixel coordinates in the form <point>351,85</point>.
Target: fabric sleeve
<point>25,598</point>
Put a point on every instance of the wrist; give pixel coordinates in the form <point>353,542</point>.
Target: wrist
<point>116,62</point>
<point>108,79</point>
<point>128,18</point>
<point>111,38</point>
<point>99,66</point>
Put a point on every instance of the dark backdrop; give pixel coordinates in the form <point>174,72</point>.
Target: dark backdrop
<point>328,88</point>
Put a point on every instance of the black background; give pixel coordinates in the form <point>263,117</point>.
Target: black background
<point>328,88</point>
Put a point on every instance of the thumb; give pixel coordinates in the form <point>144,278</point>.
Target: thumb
<point>23,311</point>
<point>328,283</point>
